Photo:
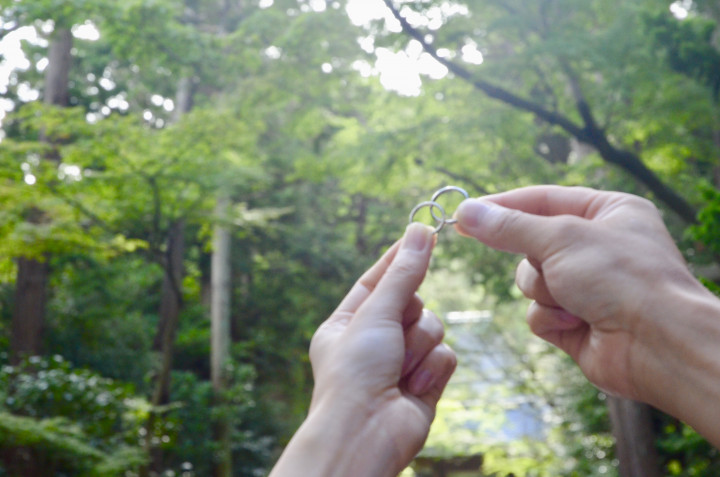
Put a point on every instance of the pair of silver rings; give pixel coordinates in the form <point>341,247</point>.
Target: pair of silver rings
<point>442,219</point>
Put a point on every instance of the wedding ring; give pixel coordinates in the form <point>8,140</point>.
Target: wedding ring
<point>429,203</point>
<point>442,191</point>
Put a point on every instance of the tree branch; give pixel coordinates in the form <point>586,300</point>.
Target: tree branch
<point>80,207</point>
<point>489,89</point>
<point>589,133</point>
<point>463,178</point>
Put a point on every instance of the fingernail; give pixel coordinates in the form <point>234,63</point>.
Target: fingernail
<point>417,236</point>
<point>420,382</point>
<point>471,212</point>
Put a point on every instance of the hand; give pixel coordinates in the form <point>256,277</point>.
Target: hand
<point>612,290</point>
<point>379,367</point>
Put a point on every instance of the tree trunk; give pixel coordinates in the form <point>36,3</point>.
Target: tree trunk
<point>184,98</point>
<point>220,333</point>
<point>205,268</point>
<point>171,293</point>
<point>32,274</point>
<point>58,69</point>
<point>170,306</point>
<point>30,300</point>
<point>634,438</point>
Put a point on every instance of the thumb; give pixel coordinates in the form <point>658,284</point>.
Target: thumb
<point>506,229</point>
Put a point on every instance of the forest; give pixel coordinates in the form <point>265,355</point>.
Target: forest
<point>189,187</point>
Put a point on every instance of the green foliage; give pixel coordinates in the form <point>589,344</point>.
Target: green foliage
<point>66,420</point>
<point>686,453</point>
<point>644,76</point>
<point>707,231</point>
<point>322,166</point>
<point>76,421</point>
<point>101,314</point>
<point>65,14</point>
<point>586,432</point>
<point>52,388</point>
<point>200,410</point>
<point>52,443</point>
<point>688,47</point>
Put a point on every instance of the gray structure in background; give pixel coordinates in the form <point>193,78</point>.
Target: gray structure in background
<point>484,361</point>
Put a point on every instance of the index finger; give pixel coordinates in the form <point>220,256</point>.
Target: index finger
<point>550,200</point>
<point>367,282</point>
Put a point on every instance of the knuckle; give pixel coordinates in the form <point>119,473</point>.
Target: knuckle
<point>524,288</point>
<point>403,267</point>
<point>638,201</point>
<point>452,360</point>
<point>641,204</point>
<point>451,356</point>
<point>433,327</point>
<point>649,209</point>
<point>568,229</point>
<point>537,320</point>
<point>641,215</point>
<point>448,357</point>
<point>566,225</point>
<point>506,225</point>
<point>647,203</point>
<point>315,343</point>
<point>521,277</point>
<point>531,317</point>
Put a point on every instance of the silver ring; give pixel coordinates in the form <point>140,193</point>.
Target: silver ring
<point>429,203</point>
<point>440,192</point>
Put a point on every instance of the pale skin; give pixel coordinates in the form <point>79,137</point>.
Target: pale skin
<point>608,285</point>
<point>612,290</point>
<point>380,367</point>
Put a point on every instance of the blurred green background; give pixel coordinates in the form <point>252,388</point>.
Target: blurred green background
<point>188,187</point>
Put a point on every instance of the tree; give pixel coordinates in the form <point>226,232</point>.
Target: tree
<point>313,168</point>
<point>589,131</point>
<point>32,272</point>
<point>220,313</point>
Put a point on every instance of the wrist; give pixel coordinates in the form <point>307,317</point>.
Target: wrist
<point>680,370</point>
<point>332,442</point>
